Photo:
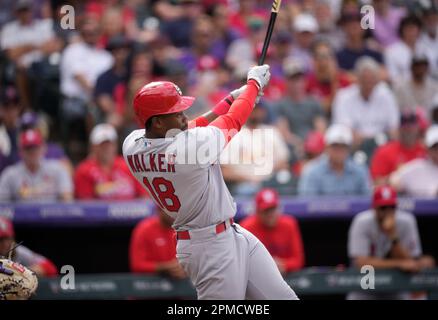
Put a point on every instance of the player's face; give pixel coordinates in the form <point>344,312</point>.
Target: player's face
<point>268,217</point>
<point>5,245</point>
<point>32,155</point>
<point>176,120</point>
<point>383,212</point>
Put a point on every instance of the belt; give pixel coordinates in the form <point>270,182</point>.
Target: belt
<point>185,235</point>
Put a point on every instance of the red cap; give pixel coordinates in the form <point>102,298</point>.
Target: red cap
<point>314,143</point>
<point>384,196</point>
<point>31,138</point>
<point>158,98</point>
<point>267,198</point>
<point>6,228</point>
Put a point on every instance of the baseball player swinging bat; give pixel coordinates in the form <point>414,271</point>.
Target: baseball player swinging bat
<point>222,259</point>
<point>275,9</point>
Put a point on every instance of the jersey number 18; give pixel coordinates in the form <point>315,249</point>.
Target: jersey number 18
<point>163,192</point>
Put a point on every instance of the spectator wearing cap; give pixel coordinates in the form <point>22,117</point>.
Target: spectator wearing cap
<point>398,56</point>
<point>111,83</point>
<point>419,177</point>
<point>152,248</point>
<point>255,155</point>
<point>104,174</point>
<point>314,146</point>
<point>279,233</point>
<point>305,28</point>
<point>419,89</point>
<point>35,178</point>
<point>31,120</point>
<point>10,110</point>
<point>26,40</point>
<point>298,113</point>
<point>355,45</point>
<point>387,21</point>
<point>81,63</point>
<point>369,107</point>
<point>386,238</point>
<point>429,36</point>
<point>42,266</point>
<point>334,173</point>
<point>326,78</point>
<point>390,156</point>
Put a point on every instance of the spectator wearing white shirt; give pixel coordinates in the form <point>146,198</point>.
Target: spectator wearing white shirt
<point>25,41</point>
<point>81,64</point>
<point>419,178</point>
<point>368,107</point>
<point>398,56</point>
<point>428,40</point>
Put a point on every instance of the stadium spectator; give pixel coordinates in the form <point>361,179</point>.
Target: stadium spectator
<point>325,13</point>
<point>243,50</point>
<point>10,110</point>
<point>387,21</point>
<point>104,175</point>
<point>368,107</point>
<point>112,83</point>
<point>42,266</point>
<point>314,145</point>
<point>419,89</point>
<point>298,113</point>
<point>82,62</point>
<point>398,56</point>
<point>153,247</point>
<point>177,20</point>
<point>355,45</point>
<point>389,157</point>
<point>280,234</point>
<point>325,79</point>
<point>254,155</point>
<point>334,173</point>
<point>428,40</point>
<point>305,28</point>
<point>26,40</point>
<point>419,178</point>
<point>35,178</point>
<point>385,238</point>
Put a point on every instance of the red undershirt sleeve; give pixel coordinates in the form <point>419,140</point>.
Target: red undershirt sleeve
<point>239,111</point>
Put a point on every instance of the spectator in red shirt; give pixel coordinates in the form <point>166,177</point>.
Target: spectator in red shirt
<point>389,157</point>
<point>278,232</point>
<point>104,174</point>
<point>42,266</point>
<point>153,247</point>
<point>326,78</point>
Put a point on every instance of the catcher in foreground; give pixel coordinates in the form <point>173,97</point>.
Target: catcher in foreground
<point>16,281</point>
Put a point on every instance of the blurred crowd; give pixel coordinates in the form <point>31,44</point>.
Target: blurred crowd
<point>352,103</point>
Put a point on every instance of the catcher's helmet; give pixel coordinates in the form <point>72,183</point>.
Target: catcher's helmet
<point>158,98</point>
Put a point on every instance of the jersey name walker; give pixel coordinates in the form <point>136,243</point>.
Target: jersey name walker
<point>182,175</point>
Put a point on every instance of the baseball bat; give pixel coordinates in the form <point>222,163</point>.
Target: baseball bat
<point>275,8</point>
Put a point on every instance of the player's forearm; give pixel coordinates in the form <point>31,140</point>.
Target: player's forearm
<point>219,109</point>
<point>144,266</point>
<point>377,262</point>
<point>399,252</point>
<point>239,111</point>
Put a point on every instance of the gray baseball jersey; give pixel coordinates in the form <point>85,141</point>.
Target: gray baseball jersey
<point>367,240</point>
<point>52,179</point>
<point>182,175</point>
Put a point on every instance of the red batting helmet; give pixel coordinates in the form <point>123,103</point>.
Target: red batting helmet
<point>158,98</point>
